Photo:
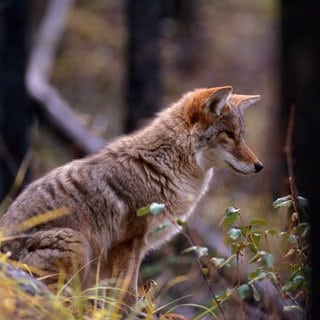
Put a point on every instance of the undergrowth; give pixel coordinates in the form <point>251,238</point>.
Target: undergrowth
<point>254,245</point>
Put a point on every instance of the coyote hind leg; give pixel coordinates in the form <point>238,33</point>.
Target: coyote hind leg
<point>59,250</point>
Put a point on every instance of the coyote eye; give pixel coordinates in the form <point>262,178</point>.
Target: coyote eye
<point>229,134</point>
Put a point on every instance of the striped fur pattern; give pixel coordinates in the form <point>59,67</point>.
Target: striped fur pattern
<point>169,161</point>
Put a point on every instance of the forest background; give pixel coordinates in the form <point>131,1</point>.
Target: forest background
<point>115,63</point>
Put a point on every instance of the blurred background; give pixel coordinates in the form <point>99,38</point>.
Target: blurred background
<point>77,73</point>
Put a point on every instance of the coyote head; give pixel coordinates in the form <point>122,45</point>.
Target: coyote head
<point>215,117</point>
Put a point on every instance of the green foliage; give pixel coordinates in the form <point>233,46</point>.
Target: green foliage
<point>252,240</point>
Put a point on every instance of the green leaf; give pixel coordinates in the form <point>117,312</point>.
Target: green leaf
<point>301,229</point>
<point>162,226</point>
<point>256,275</point>
<point>298,271</point>
<point>205,271</point>
<point>230,216</point>
<point>218,262</point>
<point>303,201</point>
<point>181,222</point>
<point>256,294</point>
<point>298,279</point>
<point>214,304</point>
<point>293,307</point>
<point>221,262</point>
<point>156,208</point>
<point>258,222</point>
<point>143,211</point>
<point>288,286</point>
<point>284,234</point>
<point>273,232</point>
<point>243,291</point>
<point>293,284</point>
<point>230,211</point>
<point>234,233</point>
<point>285,204</point>
<point>189,250</point>
<point>268,259</point>
<point>200,251</point>
<point>282,202</point>
<point>224,295</point>
<point>293,239</point>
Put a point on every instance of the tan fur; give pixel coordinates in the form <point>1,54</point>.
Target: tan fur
<point>169,161</point>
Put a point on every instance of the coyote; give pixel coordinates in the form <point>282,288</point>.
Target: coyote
<point>169,161</point>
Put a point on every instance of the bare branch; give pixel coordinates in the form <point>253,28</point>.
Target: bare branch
<point>58,111</point>
<point>291,177</point>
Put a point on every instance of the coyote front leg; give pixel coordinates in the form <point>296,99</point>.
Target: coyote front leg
<point>124,261</point>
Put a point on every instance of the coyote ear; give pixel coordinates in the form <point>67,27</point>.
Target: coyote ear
<point>218,99</point>
<point>243,101</point>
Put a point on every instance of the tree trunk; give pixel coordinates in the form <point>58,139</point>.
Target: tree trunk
<point>144,88</point>
<point>301,85</point>
<point>15,113</point>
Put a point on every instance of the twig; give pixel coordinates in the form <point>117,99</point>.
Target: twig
<point>58,111</point>
<point>185,233</point>
<point>288,152</point>
<point>291,177</point>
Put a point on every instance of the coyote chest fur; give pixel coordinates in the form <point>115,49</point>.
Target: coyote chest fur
<point>169,161</point>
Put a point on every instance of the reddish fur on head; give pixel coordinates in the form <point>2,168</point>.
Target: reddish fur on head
<point>206,104</point>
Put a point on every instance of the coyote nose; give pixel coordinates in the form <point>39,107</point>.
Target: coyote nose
<point>258,166</point>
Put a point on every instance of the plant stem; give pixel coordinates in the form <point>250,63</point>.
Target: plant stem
<point>185,233</point>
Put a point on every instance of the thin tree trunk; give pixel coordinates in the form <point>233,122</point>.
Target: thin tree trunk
<point>15,111</point>
<point>144,88</point>
<point>301,85</point>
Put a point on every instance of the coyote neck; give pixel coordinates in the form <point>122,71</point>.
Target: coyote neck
<point>166,144</point>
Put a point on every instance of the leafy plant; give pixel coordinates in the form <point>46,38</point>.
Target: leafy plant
<point>252,240</point>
